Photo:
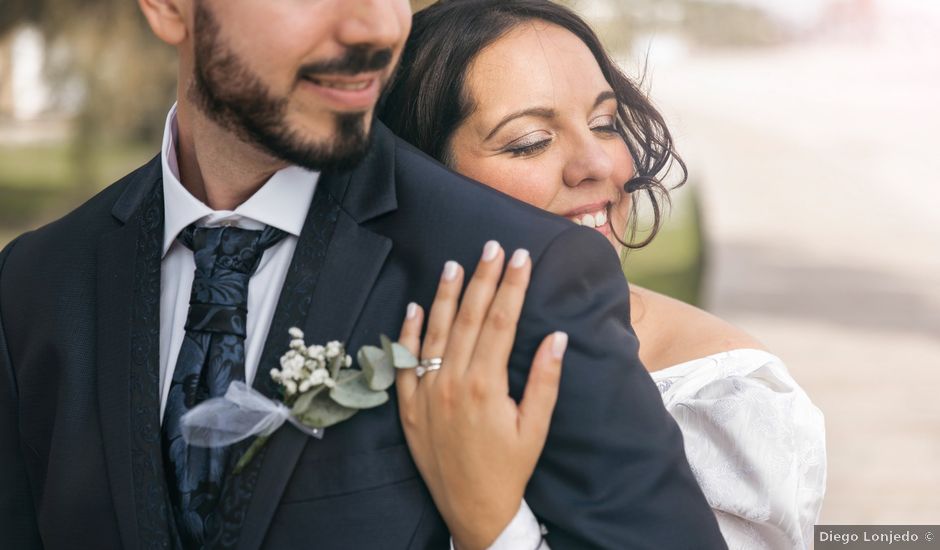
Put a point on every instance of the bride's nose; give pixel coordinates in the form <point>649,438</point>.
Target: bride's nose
<point>587,161</point>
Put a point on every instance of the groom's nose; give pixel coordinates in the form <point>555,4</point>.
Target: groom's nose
<point>376,24</point>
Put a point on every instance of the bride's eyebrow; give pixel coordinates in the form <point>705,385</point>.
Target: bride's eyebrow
<point>544,112</point>
<point>602,97</point>
<point>541,112</point>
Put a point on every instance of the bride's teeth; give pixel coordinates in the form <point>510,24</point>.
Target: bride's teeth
<point>601,218</point>
<point>588,220</point>
<point>577,221</point>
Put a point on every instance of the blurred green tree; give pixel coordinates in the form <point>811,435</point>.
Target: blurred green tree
<point>103,62</point>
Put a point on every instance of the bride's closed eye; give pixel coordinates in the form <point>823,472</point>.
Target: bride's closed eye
<point>528,145</point>
<point>605,124</point>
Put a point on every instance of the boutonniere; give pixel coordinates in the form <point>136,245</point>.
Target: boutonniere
<point>319,387</point>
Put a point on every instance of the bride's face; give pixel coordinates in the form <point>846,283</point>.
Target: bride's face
<point>543,128</point>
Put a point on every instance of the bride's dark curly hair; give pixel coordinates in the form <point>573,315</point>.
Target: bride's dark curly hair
<point>426,101</point>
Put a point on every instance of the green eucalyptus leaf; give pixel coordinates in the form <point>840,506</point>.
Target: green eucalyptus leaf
<point>386,343</point>
<point>347,376</point>
<point>402,358</point>
<point>376,368</point>
<point>324,412</point>
<point>397,354</point>
<point>368,357</point>
<point>336,364</point>
<point>303,402</point>
<point>383,377</point>
<point>357,394</point>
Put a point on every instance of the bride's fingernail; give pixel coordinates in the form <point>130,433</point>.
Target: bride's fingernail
<point>490,251</point>
<point>559,344</point>
<point>412,311</point>
<point>450,271</point>
<point>519,258</point>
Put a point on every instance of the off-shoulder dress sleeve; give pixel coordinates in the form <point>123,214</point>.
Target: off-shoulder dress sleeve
<point>756,444</point>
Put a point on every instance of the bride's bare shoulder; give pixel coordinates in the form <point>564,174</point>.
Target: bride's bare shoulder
<point>672,332</point>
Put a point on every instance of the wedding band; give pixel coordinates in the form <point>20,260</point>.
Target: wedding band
<point>427,365</point>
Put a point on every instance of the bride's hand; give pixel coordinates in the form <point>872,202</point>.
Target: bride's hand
<point>474,446</point>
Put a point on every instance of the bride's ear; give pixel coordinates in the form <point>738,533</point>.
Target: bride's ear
<point>167,19</point>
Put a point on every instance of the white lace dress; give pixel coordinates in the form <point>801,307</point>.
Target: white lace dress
<point>756,444</point>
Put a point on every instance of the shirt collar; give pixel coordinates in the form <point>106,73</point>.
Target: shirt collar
<point>282,202</point>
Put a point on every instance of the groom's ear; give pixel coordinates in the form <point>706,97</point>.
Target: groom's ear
<point>167,18</point>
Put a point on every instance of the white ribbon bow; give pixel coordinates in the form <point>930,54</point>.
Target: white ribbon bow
<point>240,414</point>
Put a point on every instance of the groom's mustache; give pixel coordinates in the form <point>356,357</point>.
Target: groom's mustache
<point>354,61</point>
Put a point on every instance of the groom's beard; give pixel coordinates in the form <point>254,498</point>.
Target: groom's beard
<point>236,99</point>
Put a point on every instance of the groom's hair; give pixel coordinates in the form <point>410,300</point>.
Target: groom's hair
<point>427,99</point>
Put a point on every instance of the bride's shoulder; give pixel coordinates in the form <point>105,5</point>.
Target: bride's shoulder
<point>672,332</point>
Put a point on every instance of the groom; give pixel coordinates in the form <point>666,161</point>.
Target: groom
<point>278,201</point>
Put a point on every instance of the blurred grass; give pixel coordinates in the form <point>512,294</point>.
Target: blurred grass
<point>674,263</point>
<point>37,182</point>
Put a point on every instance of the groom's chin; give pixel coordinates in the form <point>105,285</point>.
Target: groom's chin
<point>341,149</point>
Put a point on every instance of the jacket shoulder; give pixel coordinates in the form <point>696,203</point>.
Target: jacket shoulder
<point>424,182</point>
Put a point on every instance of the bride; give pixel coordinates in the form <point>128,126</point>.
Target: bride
<point>521,96</point>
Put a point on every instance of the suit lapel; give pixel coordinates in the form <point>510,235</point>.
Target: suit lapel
<point>331,275</point>
<point>128,362</point>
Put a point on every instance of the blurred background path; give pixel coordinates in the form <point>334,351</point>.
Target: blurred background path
<point>818,168</point>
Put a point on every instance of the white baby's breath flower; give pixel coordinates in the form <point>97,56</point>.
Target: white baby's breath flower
<point>295,332</point>
<point>333,349</point>
<point>297,344</point>
<point>305,385</point>
<point>315,352</point>
<point>330,383</point>
<point>318,376</point>
<point>291,387</point>
<point>289,372</point>
<point>347,362</point>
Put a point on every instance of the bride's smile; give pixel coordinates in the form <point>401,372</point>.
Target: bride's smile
<point>592,215</point>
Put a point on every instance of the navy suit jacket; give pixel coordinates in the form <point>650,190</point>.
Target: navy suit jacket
<point>80,461</point>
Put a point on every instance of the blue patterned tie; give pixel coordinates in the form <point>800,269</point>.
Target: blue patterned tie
<point>211,357</point>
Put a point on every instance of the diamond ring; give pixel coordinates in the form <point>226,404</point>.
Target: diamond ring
<point>427,365</point>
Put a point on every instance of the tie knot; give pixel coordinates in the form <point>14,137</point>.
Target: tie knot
<point>226,258</point>
<point>229,248</point>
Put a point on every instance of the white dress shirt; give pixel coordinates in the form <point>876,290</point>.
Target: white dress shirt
<point>282,202</point>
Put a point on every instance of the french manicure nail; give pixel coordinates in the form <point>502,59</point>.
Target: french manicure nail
<point>490,251</point>
<point>519,258</point>
<point>559,344</point>
<point>412,311</point>
<point>450,271</point>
